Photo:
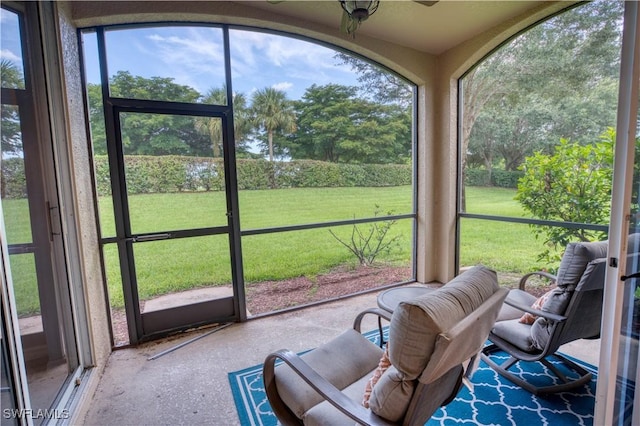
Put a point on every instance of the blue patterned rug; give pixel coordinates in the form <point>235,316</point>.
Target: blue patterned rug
<point>493,401</point>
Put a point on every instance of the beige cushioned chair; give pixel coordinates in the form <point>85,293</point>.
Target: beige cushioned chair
<point>572,310</point>
<point>430,339</point>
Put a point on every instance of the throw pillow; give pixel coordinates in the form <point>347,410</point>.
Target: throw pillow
<point>528,318</point>
<point>383,365</point>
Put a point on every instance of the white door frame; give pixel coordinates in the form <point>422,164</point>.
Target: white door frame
<point>619,225</point>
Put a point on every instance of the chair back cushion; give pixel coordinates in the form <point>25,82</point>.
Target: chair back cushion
<point>575,259</point>
<point>572,267</point>
<point>415,328</point>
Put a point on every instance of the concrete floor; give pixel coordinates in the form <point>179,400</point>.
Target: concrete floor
<point>190,384</point>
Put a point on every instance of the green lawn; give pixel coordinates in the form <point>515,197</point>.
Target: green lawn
<point>174,265</point>
<point>506,247</point>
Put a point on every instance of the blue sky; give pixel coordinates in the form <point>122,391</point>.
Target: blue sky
<point>10,38</point>
<point>193,56</point>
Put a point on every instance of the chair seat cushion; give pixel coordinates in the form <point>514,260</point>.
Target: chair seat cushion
<point>342,361</point>
<point>326,414</point>
<point>516,333</point>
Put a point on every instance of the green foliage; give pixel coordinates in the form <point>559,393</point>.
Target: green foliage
<point>212,126</point>
<point>166,174</point>
<point>272,112</point>
<point>148,134</point>
<point>572,185</point>
<point>14,182</point>
<point>494,177</point>
<point>12,77</point>
<point>337,126</point>
<point>368,241</point>
<point>555,80</point>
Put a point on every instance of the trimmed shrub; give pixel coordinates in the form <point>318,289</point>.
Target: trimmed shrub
<point>497,177</point>
<point>506,179</point>
<point>150,174</point>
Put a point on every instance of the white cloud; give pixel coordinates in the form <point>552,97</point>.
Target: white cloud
<point>285,85</point>
<point>251,48</point>
<point>190,55</point>
<point>10,56</point>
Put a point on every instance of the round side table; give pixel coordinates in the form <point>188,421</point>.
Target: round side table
<point>390,299</point>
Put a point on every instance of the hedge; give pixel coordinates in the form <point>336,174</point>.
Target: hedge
<point>498,177</point>
<point>150,174</point>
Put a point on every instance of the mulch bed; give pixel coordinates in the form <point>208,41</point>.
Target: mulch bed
<point>269,296</point>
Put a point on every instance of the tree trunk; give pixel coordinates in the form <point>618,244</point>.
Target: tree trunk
<point>270,138</point>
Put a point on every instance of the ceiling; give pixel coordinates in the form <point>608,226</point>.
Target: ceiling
<point>431,29</point>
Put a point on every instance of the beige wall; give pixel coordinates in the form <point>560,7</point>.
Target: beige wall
<point>80,210</point>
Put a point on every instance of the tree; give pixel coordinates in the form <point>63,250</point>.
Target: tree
<point>12,79</point>
<point>337,126</point>
<point>211,126</point>
<point>384,86</point>
<point>556,80</point>
<point>271,111</point>
<point>149,134</point>
<point>571,185</point>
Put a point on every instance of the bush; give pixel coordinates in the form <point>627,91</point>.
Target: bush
<point>497,177</point>
<point>149,174</point>
<point>505,178</point>
<point>14,182</point>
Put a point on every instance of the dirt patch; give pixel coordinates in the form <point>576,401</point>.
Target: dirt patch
<point>270,296</point>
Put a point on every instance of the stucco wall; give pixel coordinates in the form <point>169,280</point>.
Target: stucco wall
<point>82,207</point>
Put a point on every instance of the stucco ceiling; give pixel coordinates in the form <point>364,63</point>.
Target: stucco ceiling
<point>431,29</point>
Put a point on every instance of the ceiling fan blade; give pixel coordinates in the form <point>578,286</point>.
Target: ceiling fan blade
<point>426,3</point>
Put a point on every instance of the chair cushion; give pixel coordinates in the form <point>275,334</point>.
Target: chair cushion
<point>342,361</point>
<point>575,259</point>
<point>414,329</point>
<point>392,395</point>
<point>518,296</point>
<point>327,415</point>
<point>516,333</point>
<point>529,318</point>
<point>383,365</point>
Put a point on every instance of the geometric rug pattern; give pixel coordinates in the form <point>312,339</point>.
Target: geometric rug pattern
<point>493,400</point>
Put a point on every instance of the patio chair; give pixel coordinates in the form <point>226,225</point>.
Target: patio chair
<point>531,329</point>
<point>431,338</point>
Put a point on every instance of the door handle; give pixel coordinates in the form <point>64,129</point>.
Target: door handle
<point>151,237</point>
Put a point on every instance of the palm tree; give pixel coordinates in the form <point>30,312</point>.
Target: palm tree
<point>272,111</point>
<point>211,126</point>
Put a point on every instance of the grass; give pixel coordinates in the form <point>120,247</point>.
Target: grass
<point>170,265</point>
<point>174,265</point>
<point>503,246</point>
